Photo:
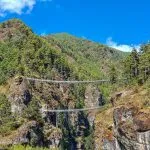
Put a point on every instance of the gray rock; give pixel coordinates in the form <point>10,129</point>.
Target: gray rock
<point>19,96</point>
<point>128,122</point>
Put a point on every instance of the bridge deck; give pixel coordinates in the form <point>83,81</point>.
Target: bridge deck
<point>68,82</point>
<point>71,110</point>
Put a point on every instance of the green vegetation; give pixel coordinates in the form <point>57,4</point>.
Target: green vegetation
<point>90,60</point>
<point>32,112</point>
<point>26,54</point>
<point>7,121</point>
<point>21,147</point>
<point>137,65</point>
<point>62,57</point>
<point>113,74</point>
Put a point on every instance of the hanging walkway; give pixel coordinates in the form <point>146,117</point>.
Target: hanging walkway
<point>71,110</point>
<point>69,82</point>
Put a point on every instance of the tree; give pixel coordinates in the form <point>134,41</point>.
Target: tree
<point>134,63</point>
<point>32,112</point>
<point>145,62</point>
<point>131,65</point>
<point>113,74</point>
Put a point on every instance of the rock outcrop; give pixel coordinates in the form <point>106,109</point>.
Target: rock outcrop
<point>126,124</point>
<point>19,95</point>
<point>28,133</point>
<point>93,98</point>
<point>53,136</point>
<point>132,128</point>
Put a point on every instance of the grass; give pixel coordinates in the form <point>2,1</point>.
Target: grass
<point>21,147</point>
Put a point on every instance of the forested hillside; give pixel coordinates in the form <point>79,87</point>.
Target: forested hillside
<point>24,53</point>
<point>23,121</point>
<point>137,64</point>
<point>57,57</point>
<point>87,60</point>
<point>91,60</point>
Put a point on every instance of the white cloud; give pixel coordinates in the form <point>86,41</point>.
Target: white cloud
<point>83,37</point>
<point>43,34</point>
<point>122,47</point>
<point>17,6</point>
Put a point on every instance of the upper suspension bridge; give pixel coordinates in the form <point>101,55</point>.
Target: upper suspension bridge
<point>67,82</point>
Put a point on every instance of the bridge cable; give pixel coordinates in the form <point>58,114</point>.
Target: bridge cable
<point>71,110</point>
<point>68,82</point>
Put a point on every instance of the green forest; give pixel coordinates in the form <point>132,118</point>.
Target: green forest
<point>58,57</point>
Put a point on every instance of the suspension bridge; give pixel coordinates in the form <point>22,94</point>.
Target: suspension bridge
<point>70,82</point>
<point>66,82</point>
<point>57,111</point>
<point>72,110</point>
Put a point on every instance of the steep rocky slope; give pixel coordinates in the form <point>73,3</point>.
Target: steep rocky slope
<point>127,124</point>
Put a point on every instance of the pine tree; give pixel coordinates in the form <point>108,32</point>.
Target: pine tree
<point>132,65</point>
<point>145,62</point>
<point>113,74</point>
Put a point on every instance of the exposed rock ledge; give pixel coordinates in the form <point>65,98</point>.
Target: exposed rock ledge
<point>127,123</point>
<point>132,128</point>
<point>19,95</point>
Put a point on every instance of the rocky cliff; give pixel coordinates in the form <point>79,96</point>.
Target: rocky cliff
<point>37,127</point>
<point>127,124</point>
<point>132,128</point>
<point>122,125</point>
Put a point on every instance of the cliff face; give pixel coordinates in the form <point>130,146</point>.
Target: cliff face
<point>19,96</point>
<point>93,98</point>
<point>132,128</point>
<point>123,125</point>
<point>127,124</point>
<point>50,129</point>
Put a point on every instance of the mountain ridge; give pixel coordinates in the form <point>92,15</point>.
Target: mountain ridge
<point>82,53</point>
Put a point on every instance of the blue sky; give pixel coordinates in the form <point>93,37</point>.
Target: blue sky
<point>118,23</point>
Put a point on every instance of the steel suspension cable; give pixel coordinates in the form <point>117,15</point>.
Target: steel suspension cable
<point>68,82</point>
<point>71,110</point>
